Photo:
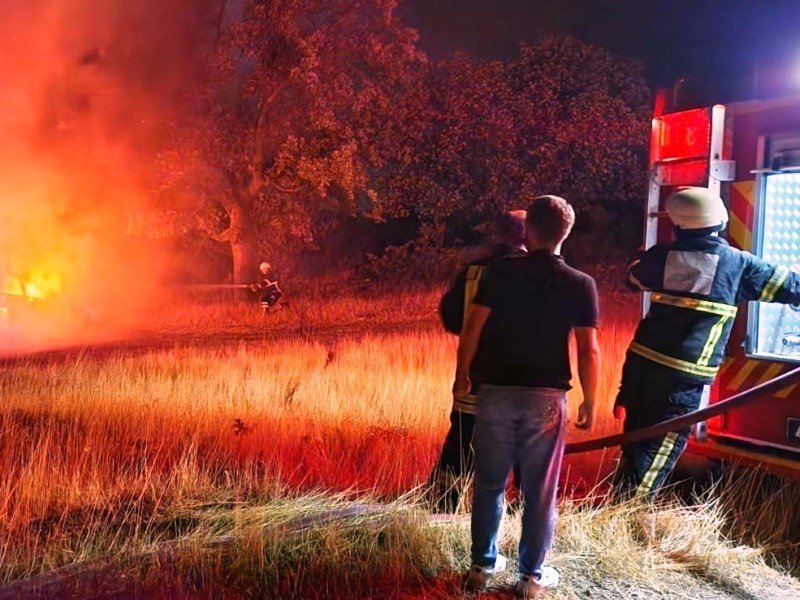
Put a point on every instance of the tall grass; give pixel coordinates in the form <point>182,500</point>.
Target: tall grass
<point>95,449</point>
<point>114,454</point>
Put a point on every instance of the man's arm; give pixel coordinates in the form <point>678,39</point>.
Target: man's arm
<point>477,316</point>
<point>632,275</point>
<point>588,373</point>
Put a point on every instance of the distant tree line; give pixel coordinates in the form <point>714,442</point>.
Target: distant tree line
<point>321,133</point>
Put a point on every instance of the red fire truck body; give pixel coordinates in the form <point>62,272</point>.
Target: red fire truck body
<point>749,152</point>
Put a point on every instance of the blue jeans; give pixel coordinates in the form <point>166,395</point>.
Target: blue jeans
<point>525,425</point>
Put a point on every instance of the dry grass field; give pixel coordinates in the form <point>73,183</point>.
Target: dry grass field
<point>229,425</point>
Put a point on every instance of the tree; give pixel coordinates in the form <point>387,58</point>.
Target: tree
<point>562,118</point>
<point>306,102</point>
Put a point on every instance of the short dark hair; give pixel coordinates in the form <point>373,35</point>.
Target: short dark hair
<point>509,228</point>
<point>551,218</point>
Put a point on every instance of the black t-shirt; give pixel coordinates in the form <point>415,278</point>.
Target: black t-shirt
<point>535,302</point>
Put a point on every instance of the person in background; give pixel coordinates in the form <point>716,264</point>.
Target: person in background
<point>696,281</point>
<point>517,335</point>
<point>455,465</point>
<point>267,287</point>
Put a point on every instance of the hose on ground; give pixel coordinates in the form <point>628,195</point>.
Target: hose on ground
<point>767,388</point>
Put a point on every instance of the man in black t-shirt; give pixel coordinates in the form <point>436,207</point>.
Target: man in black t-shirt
<point>517,334</point>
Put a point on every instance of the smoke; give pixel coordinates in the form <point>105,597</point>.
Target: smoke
<point>87,90</point>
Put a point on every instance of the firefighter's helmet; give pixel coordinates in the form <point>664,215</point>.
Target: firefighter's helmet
<point>696,208</point>
<point>264,267</point>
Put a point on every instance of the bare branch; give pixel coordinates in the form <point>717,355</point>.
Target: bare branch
<point>221,17</point>
<point>224,237</point>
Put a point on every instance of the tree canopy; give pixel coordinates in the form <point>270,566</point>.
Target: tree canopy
<point>304,101</point>
<point>315,110</point>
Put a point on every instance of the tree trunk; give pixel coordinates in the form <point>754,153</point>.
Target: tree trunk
<point>245,261</point>
<point>244,247</point>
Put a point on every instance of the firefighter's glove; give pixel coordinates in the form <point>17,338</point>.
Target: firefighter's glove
<point>796,269</point>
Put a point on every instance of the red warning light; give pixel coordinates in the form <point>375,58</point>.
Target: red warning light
<point>682,135</point>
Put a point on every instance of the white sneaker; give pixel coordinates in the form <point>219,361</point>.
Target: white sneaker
<point>529,587</point>
<point>478,577</point>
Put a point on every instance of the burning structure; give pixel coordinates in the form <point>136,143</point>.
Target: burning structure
<point>85,90</point>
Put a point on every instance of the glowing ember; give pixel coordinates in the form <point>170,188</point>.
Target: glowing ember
<point>40,284</point>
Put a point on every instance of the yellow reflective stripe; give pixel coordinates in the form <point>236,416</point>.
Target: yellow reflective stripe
<point>673,363</point>
<point>715,308</point>
<point>774,284</point>
<point>474,273</point>
<point>632,278</point>
<point>660,459</point>
<point>772,371</point>
<point>466,404</point>
<point>736,382</point>
<point>713,339</point>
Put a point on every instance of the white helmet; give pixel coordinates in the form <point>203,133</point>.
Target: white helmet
<point>696,208</point>
<point>264,267</point>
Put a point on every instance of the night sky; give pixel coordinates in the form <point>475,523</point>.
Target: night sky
<point>720,41</point>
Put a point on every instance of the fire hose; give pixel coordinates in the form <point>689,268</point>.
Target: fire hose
<point>769,387</point>
<point>204,287</point>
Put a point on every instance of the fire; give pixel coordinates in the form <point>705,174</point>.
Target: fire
<point>42,285</point>
<point>13,287</point>
<point>83,98</point>
<point>39,284</point>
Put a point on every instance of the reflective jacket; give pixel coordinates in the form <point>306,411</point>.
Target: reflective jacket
<point>697,282</point>
<point>457,300</point>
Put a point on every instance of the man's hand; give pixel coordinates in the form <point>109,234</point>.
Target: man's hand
<point>467,346</point>
<point>461,387</point>
<point>585,416</point>
<point>589,373</point>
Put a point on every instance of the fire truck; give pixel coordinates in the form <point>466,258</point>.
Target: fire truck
<point>749,152</point>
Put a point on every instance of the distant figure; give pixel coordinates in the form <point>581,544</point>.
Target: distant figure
<point>268,287</point>
<point>456,461</point>
<point>696,283</point>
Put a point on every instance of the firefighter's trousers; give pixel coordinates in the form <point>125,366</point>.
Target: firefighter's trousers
<point>455,466</point>
<point>456,463</point>
<point>652,393</point>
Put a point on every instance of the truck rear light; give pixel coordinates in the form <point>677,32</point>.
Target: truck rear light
<point>682,136</point>
<point>693,172</point>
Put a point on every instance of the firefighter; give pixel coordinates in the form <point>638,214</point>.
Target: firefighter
<point>455,463</point>
<point>267,285</point>
<point>696,281</point>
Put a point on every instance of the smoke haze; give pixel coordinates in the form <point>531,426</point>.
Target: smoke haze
<point>87,89</point>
